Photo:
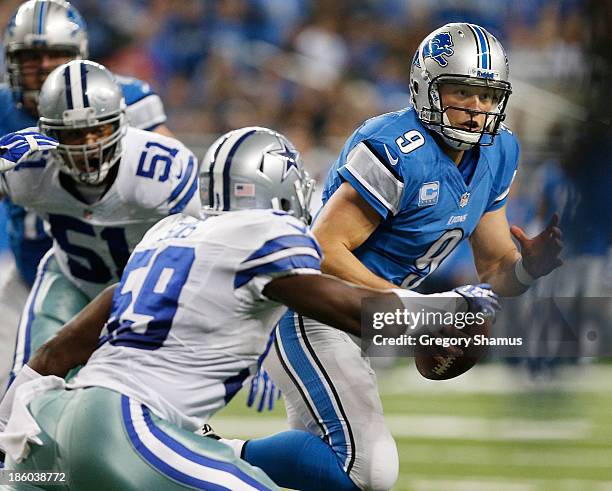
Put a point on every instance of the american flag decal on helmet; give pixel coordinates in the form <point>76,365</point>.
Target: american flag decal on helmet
<point>244,190</point>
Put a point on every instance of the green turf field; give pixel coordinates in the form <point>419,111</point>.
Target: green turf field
<point>492,429</point>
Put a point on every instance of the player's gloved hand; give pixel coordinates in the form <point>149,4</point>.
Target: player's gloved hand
<point>263,387</point>
<point>17,147</point>
<point>480,298</point>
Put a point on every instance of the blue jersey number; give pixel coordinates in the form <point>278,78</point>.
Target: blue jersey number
<point>91,267</point>
<point>147,297</point>
<point>154,154</point>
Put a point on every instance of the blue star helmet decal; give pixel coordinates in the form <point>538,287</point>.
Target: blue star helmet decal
<point>289,155</point>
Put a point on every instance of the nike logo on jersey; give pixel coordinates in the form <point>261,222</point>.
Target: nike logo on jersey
<point>392,161</point>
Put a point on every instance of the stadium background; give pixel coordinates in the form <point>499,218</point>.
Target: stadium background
<point>316,69</point>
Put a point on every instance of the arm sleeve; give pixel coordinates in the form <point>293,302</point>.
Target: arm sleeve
<point>145,109</point>
<point>374,177</point>
<point>287,254</point>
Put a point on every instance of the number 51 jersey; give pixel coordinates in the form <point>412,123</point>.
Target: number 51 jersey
<point>189,320</point>
<point>427,203</point>
<point>156,176</point>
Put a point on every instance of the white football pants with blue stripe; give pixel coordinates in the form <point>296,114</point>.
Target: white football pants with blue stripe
<point>104,440</point>
<point>330,390</point>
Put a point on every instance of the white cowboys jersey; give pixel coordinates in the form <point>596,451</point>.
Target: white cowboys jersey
<point>156,176</point>
<point>189,319</point>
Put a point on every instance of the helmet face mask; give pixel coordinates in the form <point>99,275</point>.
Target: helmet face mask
<point>461,55</point>
<point>82,107</point>
<point>89,163</point>
<point>473,133</point>
<point>37,29</point>
<point>254,168</point>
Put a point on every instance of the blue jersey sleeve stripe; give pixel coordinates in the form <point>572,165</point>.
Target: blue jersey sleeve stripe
<point>284,242</point>
<point>383,161</point>
<point>287,264</point>
<point>183,202</point>
<point>382,209</point>
<point>183,184</point>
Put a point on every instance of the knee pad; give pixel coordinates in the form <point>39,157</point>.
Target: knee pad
<point>379,470</point>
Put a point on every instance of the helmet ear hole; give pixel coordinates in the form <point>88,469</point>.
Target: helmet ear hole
<point>285,204</point>
<point>415,87</point>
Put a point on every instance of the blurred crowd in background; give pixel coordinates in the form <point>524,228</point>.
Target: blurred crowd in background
<point>316,69</point>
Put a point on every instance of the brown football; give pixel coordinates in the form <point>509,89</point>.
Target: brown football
<point>453,366</point>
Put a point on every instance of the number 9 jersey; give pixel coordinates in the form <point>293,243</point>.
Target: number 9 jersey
<point>156,176</point>
<point>427,203</point>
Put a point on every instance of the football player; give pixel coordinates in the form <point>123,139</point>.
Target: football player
<point>189,320</point>
<point>40,36</point>
<point>99,191</point>
<point>407,188</point>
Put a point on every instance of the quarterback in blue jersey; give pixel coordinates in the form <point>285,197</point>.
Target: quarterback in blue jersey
<point>407,188</point>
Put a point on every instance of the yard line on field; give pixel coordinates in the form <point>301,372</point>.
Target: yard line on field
<point>473,483</point>
<point>405,426</point>
<point>481,455</point>
<point>495,378</point>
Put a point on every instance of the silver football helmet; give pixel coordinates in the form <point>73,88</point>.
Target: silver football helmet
<point>252,168</point>
<point>78,100</point>
<point>37,25</point>
<point>463,54</point>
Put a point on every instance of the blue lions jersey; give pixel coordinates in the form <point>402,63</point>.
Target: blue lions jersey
<point>428,204</point>
<point>27,238</point>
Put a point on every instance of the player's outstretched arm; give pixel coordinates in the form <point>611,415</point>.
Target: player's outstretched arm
<point>76,341</point>
<point>345,223</point>
<point>324,298</point>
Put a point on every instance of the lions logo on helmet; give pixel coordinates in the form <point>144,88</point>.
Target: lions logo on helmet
<point>460,54</point>
<point>255,168</point>
<point>439,46</point>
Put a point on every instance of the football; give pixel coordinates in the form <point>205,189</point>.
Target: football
<point>429,364</point>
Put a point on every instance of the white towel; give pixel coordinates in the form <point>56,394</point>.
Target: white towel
<point>22,429</point>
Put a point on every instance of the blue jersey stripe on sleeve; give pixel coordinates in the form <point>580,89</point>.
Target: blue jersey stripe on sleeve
<point>183,202</point>
<point>299,261</point>
<point>284,242</point>
<point>186,178</point>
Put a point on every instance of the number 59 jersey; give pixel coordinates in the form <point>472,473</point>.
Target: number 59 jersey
<point>189,319</point>
<point>427,203</point>
<point>156,176</point>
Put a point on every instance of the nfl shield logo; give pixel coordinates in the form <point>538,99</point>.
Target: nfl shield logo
<point>464,200</point>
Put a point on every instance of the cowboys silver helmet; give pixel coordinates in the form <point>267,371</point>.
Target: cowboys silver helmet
<point>463,54</point>
<point>82,107</point>
<point>37,26</point>
<point>254,167</point>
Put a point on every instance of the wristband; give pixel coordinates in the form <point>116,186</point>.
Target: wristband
<point>522,275</point>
